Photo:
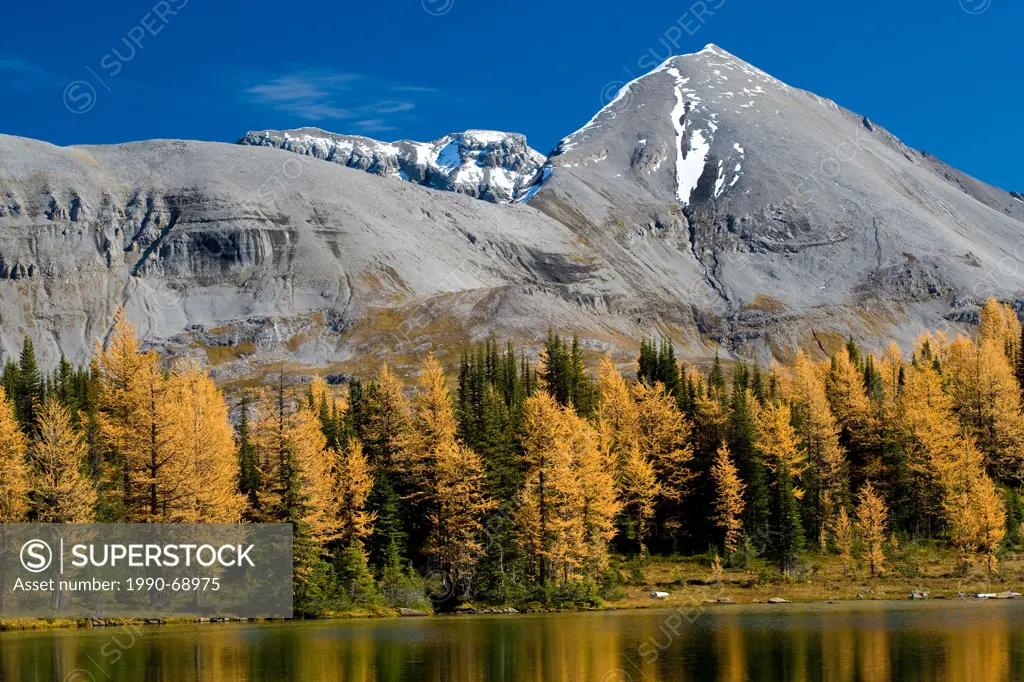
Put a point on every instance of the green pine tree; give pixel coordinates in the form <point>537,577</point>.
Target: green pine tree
<point>29,396</point>
<point>354,576</point>
<point>250,480</point>
<point>787,537</point>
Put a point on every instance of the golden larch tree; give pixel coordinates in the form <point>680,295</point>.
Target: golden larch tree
<point>443,477</point>
<point>777,440</point>
<point>207,447</point>
<point>354,476</point>
<point>143,431</point>
<point>295,465</point>
<point>729,501</point>
<point>962,522</point>
<point>842,535</point>
<point>990,512</point>
<point>433,427</point>
<point>639,489</point>
<point>14,484</point>
<point>619,413</point>
<point>388,419</point>
<point>568,504</point>
<point>871,519</point>
<point>316,482</point>
<point>548,511</point>
<point>987,399</point>
<point>943,459</point>
<point>819,439</point>
<point>849,402</point>
<point>61,492</point>
<point>664,438</point>
<point>599,503</point>
<point>998,322</point>
<point>456,514</point>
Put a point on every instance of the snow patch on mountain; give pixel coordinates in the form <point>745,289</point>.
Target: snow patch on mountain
<point>692,147</point>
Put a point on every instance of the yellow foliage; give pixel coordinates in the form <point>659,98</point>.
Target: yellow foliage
<point>639,489</point>
<point>819,437</point>
<point>388,419</point>
<point>207,444</point>
<point>871,519</point>
<point>618,409</point>
<point>444,476</point>
<point>664,438</point>
<point>61,493</point>
<point>354,477</point>
<point>777,440</point>
<point>143,429</point>
<point>998,322</point>
<point>987,399</point>
<point>729,503</point>
<point>842,535</point>
<point>13,469</point>
<point>568,504</point>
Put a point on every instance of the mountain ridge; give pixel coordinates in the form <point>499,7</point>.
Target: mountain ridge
<point>485,164</point>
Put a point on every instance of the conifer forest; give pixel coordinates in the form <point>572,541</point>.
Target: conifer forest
<point>549,481</point>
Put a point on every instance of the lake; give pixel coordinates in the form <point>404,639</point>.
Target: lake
<point>951,640</point>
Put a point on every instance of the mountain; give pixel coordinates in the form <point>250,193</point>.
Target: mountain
<point>709,202</point>
<point>485,164</point>
<point>776,212</point>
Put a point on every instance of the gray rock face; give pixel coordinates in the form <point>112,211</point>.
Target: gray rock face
<point>485,164</point>
<point>709,202</point>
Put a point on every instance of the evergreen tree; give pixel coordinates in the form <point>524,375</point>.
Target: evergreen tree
<point>354,575</point>
<point>787,540</point>
<point>29,391</point>
<point>250,480</point>
<point>498,447</point>
<point>562,374</point>
<point>742,436</point>
<point>716,379</point>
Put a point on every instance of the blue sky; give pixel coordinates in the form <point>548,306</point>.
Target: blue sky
<point>944,75</point>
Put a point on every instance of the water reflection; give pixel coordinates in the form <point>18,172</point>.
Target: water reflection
<point>866,642</point>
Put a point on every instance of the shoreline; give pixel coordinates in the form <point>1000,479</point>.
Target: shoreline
<point>780,602</point>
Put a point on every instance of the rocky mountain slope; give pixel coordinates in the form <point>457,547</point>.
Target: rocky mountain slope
<point>485,164</point>
<point>709,201</point>
<point>248,250</point>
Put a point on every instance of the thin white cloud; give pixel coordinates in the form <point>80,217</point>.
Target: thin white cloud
<point>390,107</point>
<point>374,125</point>
<point>317,95</point>
<point>307,95</point>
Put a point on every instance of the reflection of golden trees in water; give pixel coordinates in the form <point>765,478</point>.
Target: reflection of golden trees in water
<point>870,644</point>
<point>731,650</point>
<point>980,652</point>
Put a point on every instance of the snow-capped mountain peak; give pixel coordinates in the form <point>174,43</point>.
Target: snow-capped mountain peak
<point>486,164</point>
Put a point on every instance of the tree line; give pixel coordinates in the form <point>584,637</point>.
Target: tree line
<point>534,482</point>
